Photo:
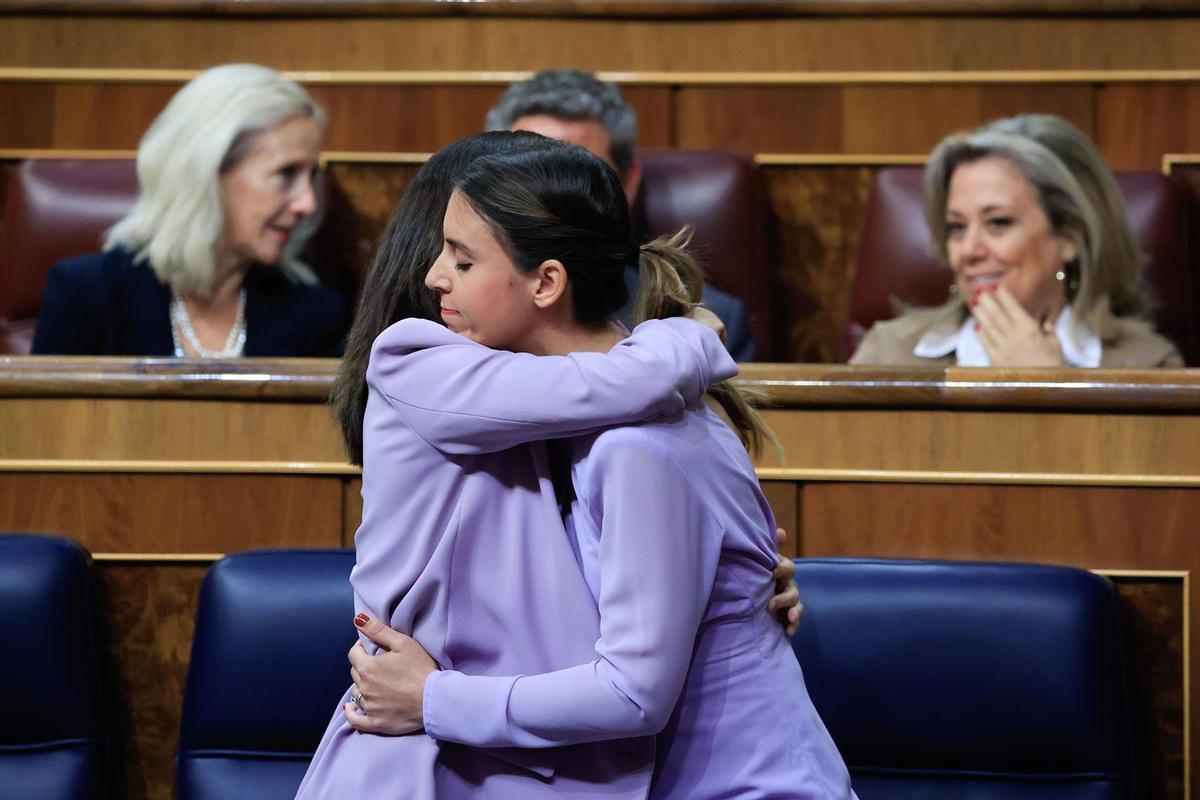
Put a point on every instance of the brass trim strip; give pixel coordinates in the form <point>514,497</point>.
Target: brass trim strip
<point>1172,574</point>
<point>837,159</point>
<point>1005,478</point>
<point>387,157</point>
<point>180,466</point>
<point>364,156</point>
<point>1171,160</point>
<point>718,78</point>
<point>42,152</point>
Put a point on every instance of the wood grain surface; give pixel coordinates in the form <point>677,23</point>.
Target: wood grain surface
<point>441,42</point>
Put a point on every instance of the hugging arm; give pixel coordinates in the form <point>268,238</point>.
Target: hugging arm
<point>463,398</point>
<point>657,570</point>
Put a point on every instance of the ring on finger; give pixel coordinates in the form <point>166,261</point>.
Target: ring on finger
<point>356,697</point>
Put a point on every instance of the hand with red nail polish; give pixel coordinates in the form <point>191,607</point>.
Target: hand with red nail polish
<point>390,685</point>
<point>1011,337</point>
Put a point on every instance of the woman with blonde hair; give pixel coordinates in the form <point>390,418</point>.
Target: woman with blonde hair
<point>205,265</point>
<point>1032,225</point>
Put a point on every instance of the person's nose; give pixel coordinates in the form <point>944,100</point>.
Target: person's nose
<point>304,201</point>
<point>437,277</point>
<point>974,246</point>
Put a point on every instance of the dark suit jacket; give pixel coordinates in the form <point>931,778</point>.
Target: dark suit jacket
<point>731,310</point>
<point>103,304</point>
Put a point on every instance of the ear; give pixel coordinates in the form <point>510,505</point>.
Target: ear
<point>633,180</point>
<point>550,283</point>
<point>1068,251</point>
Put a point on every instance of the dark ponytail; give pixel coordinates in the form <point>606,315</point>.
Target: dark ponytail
<point>669,285</point>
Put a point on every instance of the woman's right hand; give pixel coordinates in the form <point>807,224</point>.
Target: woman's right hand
<point>390,685</point>
<point>1011,337</point>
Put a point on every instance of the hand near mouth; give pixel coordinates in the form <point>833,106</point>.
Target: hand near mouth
<point>1011,337</point>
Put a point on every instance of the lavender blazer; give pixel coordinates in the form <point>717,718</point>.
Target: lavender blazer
<point>464,547</point>
<point>676,542</point>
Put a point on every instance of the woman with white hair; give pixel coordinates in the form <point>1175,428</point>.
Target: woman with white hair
<point>204,265</point>
<point>1046,271</point>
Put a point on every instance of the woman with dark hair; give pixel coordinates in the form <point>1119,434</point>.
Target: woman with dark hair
<point>666,518</point>
<point>465,549</point>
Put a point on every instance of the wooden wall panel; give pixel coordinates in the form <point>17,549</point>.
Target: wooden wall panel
<point>412,119</point>
<point>1095,527</point>
<point>784,499</point>
<point>28,119</point>
<point>351,510</point>
<point>818,212</point>
<point>1139,123</point>
<point>1076,102</point>
<point>769,119</point>
<point>1153,624</point>
<point>165,513</point>
<point>899,441</point>
<point>905,120</point>
<point>449,43</point>
<point>107,429</point>
<point>106,116</point>
<point>891,118</point>
<point>148,614</point>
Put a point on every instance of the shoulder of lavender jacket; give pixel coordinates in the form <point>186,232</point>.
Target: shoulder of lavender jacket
<point>464,398</point>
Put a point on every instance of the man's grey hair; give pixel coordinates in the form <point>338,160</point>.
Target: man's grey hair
<point>574,95</point>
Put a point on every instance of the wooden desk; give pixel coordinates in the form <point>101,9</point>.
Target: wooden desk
<point>158,466</point>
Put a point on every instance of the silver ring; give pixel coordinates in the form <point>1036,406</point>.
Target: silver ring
<point>355,696</point>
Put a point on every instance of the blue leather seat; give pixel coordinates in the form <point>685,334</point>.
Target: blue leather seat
<point>268,668</point>
<point>54,740</point>
<point>970,681</point>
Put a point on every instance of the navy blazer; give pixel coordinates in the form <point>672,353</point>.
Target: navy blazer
<point>103,304</point>
<point>731,311</point>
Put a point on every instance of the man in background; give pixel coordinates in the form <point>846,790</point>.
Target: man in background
<point>579,108</point>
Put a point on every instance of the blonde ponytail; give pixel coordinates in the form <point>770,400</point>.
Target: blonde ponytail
<point>670,282</point>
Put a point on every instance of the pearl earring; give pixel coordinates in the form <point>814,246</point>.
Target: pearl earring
<point>1060,276</point>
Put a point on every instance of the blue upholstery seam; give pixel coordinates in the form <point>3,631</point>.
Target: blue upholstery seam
<point>245,754</point>
<point>51,745</point>
<point>989,775</point>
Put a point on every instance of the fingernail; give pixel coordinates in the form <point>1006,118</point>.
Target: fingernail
<point>361,619</point>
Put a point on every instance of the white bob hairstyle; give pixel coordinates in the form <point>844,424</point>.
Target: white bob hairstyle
<point>208,127</point>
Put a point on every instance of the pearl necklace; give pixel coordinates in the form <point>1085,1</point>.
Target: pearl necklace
<point>181,323</point>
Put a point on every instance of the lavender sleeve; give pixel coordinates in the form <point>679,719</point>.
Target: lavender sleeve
<point>488,400</point>
<point>657,571</point>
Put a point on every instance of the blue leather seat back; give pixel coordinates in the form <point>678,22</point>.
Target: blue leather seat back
<point>54,741</point>
<point>267,670</point>
<point>968,681</point>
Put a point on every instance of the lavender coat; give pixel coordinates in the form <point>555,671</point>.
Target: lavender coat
<point>675,540</point>
<point>464,547</point>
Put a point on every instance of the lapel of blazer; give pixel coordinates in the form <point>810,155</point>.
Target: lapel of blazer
<point>143,311</point>
<point>268,313</point>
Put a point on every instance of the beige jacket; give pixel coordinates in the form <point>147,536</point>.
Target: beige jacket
<point>891,342</point>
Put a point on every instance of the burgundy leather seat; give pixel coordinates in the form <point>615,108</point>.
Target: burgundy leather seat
<point>722,196</point>
<point>56,208</point>
<point>896,258</point>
